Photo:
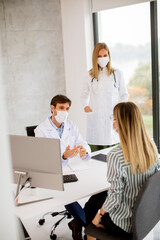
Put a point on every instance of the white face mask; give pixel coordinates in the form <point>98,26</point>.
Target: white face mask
<point>61,116</point>
<point>103,61</point>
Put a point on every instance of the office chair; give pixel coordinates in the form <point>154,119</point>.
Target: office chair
<point>65,213</point>
<point>30,131</point>
<point>146,213</point>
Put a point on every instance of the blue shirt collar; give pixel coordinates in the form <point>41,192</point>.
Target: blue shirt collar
<point>59,130</point>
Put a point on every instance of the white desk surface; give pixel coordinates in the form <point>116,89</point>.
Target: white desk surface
<point>90,181</point>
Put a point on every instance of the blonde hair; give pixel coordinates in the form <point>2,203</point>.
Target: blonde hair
<point>138,150</point>
<point>95,70</point>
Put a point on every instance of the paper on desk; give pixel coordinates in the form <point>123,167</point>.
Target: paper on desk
<point>29,195</point>
<point>75,164</point>
<point>66,169</point>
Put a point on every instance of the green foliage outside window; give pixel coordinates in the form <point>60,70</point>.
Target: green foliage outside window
<point>140,91</point>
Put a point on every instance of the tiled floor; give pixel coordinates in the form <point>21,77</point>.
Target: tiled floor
<point>38,232</point>
<point>43,232</point>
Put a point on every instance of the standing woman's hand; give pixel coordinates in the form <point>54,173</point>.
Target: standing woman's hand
<point>87,109</point>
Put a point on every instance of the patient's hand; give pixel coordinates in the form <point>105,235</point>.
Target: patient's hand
<point>97,221</point>
<point>70,152</point>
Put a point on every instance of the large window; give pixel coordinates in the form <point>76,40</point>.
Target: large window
<point>126,31</point>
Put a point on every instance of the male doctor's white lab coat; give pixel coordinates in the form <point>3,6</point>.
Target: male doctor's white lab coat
<point>102,96</point>
<point>70,136</point>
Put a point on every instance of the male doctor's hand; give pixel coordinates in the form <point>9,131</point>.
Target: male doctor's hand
<point>70,152</point>
<point>82,151</point>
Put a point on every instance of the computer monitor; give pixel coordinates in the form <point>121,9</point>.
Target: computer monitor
<point>39,158</point>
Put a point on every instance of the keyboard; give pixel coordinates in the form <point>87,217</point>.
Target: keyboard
<point>70,178</point>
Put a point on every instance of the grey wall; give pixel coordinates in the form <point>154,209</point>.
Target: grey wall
<point>32,59</point>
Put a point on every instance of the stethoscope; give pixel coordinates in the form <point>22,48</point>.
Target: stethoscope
<point>114,84</point>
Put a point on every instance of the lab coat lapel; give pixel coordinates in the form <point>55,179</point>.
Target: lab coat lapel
<point>51,130</point>
<point>66,130</point>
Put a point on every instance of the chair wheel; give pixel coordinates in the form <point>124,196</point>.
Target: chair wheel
<point>41,221</point>
<point>53,236</point>
<point>54,214</point>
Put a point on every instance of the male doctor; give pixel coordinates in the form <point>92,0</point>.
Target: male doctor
<point>58,126</point>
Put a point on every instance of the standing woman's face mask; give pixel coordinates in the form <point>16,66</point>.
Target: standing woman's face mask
<point>103,58</point>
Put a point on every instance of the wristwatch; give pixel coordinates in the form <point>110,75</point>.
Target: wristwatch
<point>99,212</point>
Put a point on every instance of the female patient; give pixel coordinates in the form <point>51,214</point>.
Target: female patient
<point>130,164</point>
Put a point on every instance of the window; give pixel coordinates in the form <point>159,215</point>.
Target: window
<point>126,31</point>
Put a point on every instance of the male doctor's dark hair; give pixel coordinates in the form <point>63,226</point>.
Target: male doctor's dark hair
<point>60,99</point>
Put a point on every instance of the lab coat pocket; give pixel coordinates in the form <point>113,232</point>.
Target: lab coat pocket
<point>89,114</point>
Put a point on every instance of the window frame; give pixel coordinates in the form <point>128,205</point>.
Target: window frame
<point>155,71</point>
<point>154,65</point>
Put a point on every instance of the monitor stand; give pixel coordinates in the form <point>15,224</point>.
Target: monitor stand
<point>19,190</point>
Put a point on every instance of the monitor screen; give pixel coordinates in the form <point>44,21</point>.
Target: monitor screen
<point>40,158</point>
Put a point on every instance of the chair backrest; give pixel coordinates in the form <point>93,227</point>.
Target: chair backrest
<point>30,131</point>
<point>146,212</point>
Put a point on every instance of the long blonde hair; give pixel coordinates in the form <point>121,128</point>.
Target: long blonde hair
<point>95,70</point>
<point>138,150</point>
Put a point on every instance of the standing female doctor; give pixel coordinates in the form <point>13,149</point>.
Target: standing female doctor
<point>103,88</point>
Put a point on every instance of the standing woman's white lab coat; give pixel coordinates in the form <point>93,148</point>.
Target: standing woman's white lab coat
<point>101,96</point>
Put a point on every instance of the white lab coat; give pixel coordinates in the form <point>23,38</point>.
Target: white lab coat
<point>70,136</point>
<point>102,96</point>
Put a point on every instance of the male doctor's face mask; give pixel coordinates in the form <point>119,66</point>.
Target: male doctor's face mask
<point>103,61</point>
<point>61,116</point>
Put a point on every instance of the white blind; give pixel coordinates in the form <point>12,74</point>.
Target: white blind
<point>99,5</point>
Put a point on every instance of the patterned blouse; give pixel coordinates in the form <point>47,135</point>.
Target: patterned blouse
<point>124,188</point>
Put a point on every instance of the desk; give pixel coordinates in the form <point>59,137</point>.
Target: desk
<point>91,181</point>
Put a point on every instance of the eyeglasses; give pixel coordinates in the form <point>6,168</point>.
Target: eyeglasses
<point>112,118</point>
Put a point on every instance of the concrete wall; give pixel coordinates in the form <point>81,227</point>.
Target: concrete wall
<point>32,58</point>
